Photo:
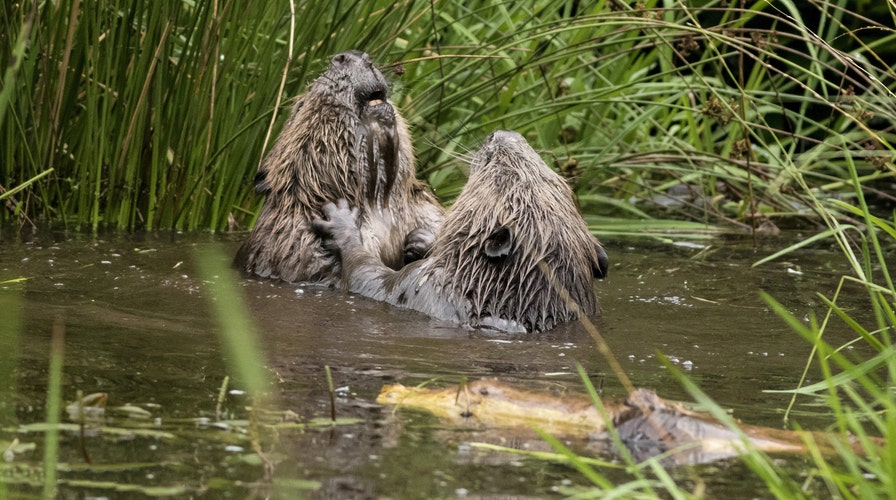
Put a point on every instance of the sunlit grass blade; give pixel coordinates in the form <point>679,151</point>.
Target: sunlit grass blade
<point>238,336</point>
<point>54,409</point>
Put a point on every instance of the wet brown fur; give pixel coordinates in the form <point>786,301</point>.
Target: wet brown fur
<point>512,254</point>
<point>343,140</point>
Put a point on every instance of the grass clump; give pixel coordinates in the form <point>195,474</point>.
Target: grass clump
<point>858,389</point>
<point>718,113</point>
<point>154,115</point>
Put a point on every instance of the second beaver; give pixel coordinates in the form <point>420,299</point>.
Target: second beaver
<point>344,139</point>
<point>512,254</point>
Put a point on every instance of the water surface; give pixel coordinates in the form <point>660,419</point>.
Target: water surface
<point>138,327</point>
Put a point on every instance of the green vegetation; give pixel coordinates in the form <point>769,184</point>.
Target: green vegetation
<point>155,115</point>
<point>859,392</point>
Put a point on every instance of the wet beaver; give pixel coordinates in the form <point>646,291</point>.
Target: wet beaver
<point>512,254</point>
<point>344,139</point>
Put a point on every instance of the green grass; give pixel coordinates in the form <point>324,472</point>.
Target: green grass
<point>54,409</point>
<point>858,391</point>
<point>155,115</point>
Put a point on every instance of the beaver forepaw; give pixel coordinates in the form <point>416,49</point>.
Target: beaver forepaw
<point>340,223</point>
<point>417,244</point>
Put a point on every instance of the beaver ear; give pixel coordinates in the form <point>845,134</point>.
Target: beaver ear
<point>498,243</point>
<point>261,182</point>
<point>602,266</point>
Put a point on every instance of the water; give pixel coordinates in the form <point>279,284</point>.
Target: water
<point>138,327</point>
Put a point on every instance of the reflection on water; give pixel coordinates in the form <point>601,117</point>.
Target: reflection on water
<point>138,328</point>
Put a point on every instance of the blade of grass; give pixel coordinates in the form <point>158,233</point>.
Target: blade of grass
<point>54,409</point>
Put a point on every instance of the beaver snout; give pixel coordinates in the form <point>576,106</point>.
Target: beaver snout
<point>369,85</point>
<point>503,136</point>
<point>496,142</point>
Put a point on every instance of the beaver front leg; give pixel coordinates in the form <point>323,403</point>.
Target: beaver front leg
<point>415,286</point>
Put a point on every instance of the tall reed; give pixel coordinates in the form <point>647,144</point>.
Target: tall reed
<point>155,114</point>
<point>10,338</point>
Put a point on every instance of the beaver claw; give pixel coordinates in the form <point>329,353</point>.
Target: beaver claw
<point>340,223</point>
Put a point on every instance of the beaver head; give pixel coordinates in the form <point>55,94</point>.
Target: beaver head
<point>513,246</point>
<point>352,143</point>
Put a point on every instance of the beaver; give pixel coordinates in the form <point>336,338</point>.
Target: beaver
<point>513,253</point>
<point>343,140</point>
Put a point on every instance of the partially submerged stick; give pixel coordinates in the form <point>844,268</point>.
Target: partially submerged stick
<point>648,424</point>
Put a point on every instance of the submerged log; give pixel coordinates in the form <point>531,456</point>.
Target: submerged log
<point>647,424</point>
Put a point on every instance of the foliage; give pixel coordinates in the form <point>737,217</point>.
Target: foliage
<point>155,114</point>
<point>859,392</point>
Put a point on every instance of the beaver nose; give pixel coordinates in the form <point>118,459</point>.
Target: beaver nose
<point>349,57</point>
<point>503,136</point>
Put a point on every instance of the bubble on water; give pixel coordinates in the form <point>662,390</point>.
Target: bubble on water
<point>670,299</point>
<point>688,244</point>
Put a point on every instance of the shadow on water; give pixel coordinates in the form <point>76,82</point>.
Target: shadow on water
<point>138,328</point>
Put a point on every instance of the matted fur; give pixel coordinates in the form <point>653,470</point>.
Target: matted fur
<point>343,140</point>
<point>512,254</point>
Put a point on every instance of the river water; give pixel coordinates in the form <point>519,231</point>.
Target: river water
<point>138,326</point>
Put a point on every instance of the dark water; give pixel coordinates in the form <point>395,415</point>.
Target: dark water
<point>138,327</point>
